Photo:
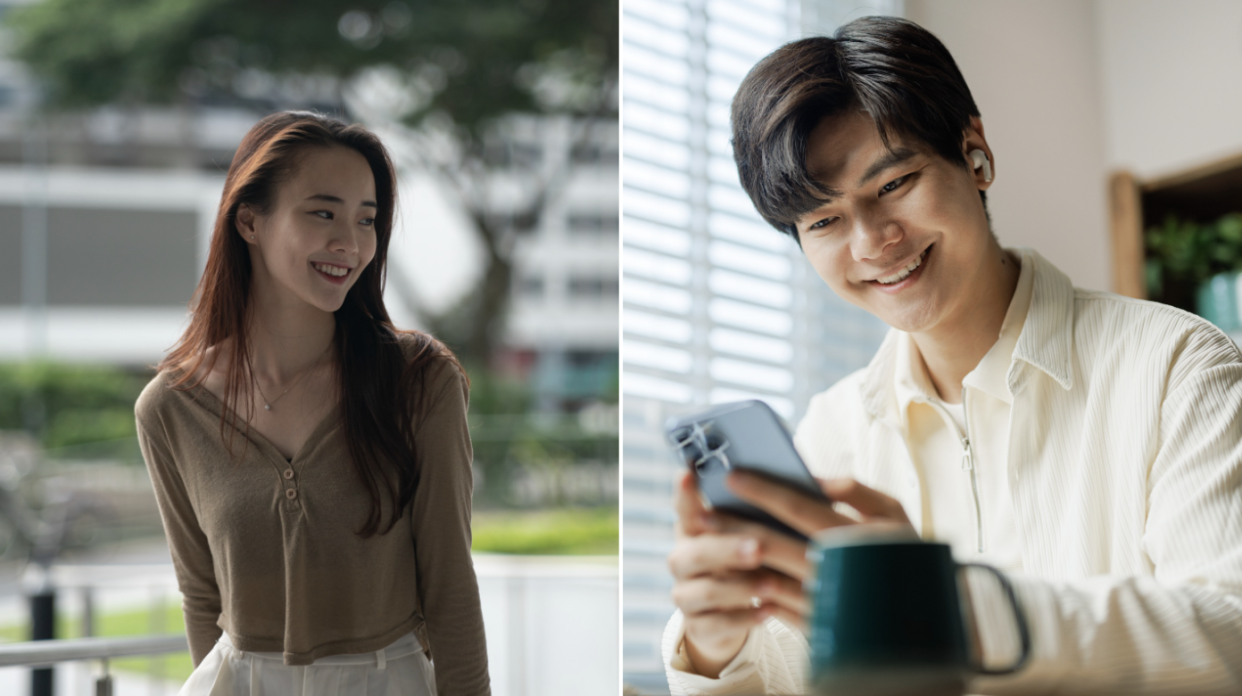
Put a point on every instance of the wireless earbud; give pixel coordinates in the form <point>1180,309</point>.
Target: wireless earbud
<point>981,160</point>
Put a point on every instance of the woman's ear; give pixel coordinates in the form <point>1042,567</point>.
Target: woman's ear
<point>244,221</point>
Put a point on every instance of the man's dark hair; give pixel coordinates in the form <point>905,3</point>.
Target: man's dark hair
<point>892,69</point>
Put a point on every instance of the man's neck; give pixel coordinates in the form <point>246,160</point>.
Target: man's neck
<point>955,347</point>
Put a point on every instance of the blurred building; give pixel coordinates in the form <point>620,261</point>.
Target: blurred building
<point>562,327</point>
<point>102,222</point>
<point>106,216</point>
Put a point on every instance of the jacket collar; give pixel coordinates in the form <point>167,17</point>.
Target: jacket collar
<point>1046,342</point>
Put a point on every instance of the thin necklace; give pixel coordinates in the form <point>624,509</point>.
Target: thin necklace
<point>267,405</point>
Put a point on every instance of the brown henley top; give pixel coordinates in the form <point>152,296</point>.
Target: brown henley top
<point>266,549</point>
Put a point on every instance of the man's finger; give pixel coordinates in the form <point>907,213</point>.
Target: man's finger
<point>781,552</point>
<point>784,592</point>
<point>713,553</point>
<point>739,590</point>
<point>868,501</point>
<point>689,506</point>
<point>717,593</point>
<point>800,511</point>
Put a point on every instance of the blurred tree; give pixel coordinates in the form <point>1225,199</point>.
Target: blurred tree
<point>64,405</point>
<point>436,78</point>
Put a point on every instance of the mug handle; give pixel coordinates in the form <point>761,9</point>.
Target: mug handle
<point>1024,635</point>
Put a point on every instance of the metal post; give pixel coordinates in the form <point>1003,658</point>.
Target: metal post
<point>88,628</point>
<point>103,685</point>
<point>88,612</point>
<point>43,627</point>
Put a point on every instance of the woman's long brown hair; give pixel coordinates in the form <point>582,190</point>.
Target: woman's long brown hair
<point>382,392</point>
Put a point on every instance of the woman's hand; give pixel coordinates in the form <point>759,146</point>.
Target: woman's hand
<point>730,574</point>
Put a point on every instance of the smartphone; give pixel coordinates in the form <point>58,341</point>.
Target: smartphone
<point>744,435</point>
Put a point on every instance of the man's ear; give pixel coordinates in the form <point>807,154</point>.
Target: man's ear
<point>244,221</point>
<point>973,139</point>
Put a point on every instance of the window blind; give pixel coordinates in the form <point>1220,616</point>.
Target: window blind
<point>717,305</point>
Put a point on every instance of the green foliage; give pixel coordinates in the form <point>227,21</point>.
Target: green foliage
<point>566,531</point>
<point>470,59</point>
<point>492,393</point>
<point>65,405</point>
<point>1191,252</point>
<point>507,436</point>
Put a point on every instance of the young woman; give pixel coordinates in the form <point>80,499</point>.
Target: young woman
<point>312,462</point>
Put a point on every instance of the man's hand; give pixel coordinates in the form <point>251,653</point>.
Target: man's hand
<point>730,574</point>
<point>808,515</point>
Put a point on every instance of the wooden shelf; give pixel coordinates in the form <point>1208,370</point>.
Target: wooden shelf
<point>1202,194</point>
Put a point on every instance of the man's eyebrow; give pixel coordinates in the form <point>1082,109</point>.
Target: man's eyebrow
<point>335,199</point>
<point>891,158</point>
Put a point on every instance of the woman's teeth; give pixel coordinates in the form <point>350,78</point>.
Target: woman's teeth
<point>331,270</point>
<point>901,275</point>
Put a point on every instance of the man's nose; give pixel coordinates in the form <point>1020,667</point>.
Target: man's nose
<point>871,237</point>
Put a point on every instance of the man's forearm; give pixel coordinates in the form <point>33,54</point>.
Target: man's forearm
<point>1130,635</point>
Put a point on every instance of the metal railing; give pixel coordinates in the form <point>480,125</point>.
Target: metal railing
<point>47,653</point>
<point>43,585</point>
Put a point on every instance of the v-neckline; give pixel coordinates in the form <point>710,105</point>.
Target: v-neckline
<point>212,403</point>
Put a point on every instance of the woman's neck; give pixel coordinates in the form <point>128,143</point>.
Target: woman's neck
<point>286,337</point>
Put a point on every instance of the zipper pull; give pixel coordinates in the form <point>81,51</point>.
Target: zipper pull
<point>967,464</point>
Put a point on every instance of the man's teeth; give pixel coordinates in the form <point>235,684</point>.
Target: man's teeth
<point>901,275</point>
<point>331,270</point>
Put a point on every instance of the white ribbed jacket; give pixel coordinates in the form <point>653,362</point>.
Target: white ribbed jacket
<point>1125,470</point>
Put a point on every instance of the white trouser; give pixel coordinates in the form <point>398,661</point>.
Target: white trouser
<point>400,668</point>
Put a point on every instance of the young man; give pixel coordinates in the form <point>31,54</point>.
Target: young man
<point>1087,444</point>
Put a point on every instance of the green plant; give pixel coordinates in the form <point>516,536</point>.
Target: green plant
<point>64,405</point>
<point>1189,252</point>
<point>558,531</point>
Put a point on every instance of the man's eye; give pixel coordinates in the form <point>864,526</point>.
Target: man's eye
<point>894,184</point>
<point>822,223</point>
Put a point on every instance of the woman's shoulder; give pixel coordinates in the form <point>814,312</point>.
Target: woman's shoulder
<point>170,388</point>
<point>157,397</point>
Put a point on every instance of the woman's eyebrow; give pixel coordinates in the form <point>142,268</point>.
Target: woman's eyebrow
<point>335,199</point>
<point>891,158</point>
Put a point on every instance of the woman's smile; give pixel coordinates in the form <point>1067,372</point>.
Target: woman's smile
<point>337,275</point>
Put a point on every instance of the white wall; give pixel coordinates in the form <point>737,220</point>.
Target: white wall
<point>1172,79</point>
<point>1032,68</point>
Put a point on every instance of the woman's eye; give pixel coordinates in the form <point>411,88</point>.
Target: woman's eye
<point>325,214</point>
<point>368,222</point>
<point>894,184</point>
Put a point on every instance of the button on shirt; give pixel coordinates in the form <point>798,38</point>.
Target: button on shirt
<point>267,550</point>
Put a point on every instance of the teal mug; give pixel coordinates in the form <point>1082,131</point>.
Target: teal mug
<point>887,616</point>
